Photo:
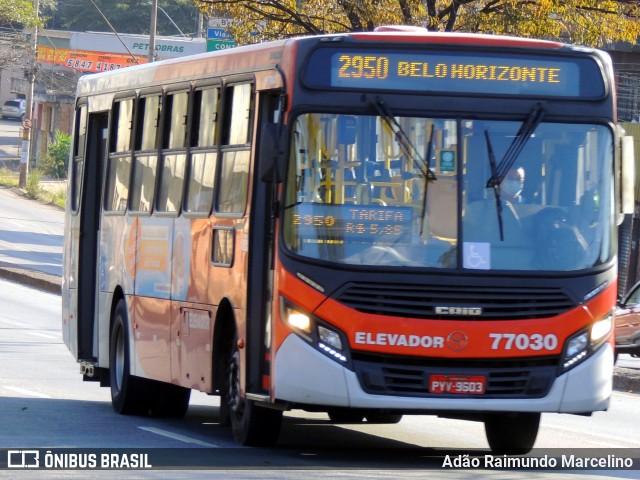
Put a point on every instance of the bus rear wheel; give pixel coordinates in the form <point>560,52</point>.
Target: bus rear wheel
<point>251,424</point>
<point>512,433</point>
<point>130,395</point>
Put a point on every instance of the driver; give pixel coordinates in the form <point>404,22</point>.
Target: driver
<point>512,186</point>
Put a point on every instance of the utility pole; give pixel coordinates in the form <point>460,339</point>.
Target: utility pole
<point>27,122</point>
<point>200,24</point>
<point>152,33</point>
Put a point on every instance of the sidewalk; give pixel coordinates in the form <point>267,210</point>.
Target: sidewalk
<point>32,278</point>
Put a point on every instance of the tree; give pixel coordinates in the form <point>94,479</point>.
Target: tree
<point>125,16</point>
<point>587,22</point>
<point>15,15</point>
<point>12,48</point>
<point>17,12</point>
<point>56,158</point>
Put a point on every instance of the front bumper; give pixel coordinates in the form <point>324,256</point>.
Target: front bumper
<point>305,376</point>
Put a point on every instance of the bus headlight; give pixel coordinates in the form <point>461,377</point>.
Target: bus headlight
<point>330,337</point>
<point>576,351</point>
<point>299,320</point>
<point>585,342</point>
<point>601,329</point>
<point>320,335</point>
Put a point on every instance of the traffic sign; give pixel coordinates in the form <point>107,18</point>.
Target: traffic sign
<point>219,34</point>
<point>26,124</point>
<point>215,45</point>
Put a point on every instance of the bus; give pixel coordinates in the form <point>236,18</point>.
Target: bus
<point>332,224</point>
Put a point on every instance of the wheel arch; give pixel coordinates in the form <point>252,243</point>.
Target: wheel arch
<point>118,294</point>
<point>224,330</point>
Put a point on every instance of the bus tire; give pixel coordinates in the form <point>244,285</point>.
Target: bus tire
<point>251,424</point>
<point>172,401</point>
<point>381,418</point>
<point>130,395</point>
<point>345,415</point>
<point>512,433</point>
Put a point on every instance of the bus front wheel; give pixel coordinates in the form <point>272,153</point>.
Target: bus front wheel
<point>171,401</point>
<point>382,418</point>
<point>251,424</point>
<point>345,415</point>
<point>130,395</point>
<point>512,433</point>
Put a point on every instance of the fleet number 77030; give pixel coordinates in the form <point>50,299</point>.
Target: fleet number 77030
<point>522,341</point>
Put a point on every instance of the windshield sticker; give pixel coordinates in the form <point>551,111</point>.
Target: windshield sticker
<point>477,255</point>
<point>447,162</point>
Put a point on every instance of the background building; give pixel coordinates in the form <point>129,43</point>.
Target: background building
<point>62,57</point>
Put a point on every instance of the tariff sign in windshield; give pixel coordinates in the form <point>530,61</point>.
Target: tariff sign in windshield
<point>352,222</point>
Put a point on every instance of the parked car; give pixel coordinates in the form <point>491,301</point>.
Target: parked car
<point>627,328</point>
<point>14,109</point>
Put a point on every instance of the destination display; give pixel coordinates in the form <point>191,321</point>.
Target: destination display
<point>375,224</point>
<point>456,72</point>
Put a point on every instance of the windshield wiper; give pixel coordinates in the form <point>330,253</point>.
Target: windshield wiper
<point>426,179</point>
<point>495,185</point>
<point>520,140</point>
<point>403,139</point>
<point>499,171</point>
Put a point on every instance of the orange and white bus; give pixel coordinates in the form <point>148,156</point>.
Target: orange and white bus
<point>365,224</point>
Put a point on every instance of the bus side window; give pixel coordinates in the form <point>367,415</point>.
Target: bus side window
<point>234,174</point>
<point>119,165</point>
<point>203,154</point>
<point>146,153</point>
<point>174,156</point>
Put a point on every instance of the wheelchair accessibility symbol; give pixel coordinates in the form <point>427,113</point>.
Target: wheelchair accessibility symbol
<point>476,255</point>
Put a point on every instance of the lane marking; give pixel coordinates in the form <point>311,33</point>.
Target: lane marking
<point>27,392</point>
<point>50,336</point>
<point>177,436</point>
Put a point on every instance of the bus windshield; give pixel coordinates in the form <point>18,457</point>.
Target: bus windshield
<point>420,192</point>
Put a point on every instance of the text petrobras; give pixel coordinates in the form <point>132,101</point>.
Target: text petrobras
<point>543,462</point>
<point>34,459</point>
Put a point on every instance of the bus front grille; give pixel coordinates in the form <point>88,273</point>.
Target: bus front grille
<point>473,302</point>
<point>505,378</point>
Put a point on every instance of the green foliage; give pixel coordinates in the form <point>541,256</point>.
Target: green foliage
<point>17,12</point>
<point>59,198</point>
<point>587,22</point>
<point>56,160</point>
<point>34,189</point>
<point>33,184</point>
<point>8,178</point>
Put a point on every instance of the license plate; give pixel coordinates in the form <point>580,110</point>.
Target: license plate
<point>458,384</point>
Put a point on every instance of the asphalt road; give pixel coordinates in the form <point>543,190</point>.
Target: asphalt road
<point>31,240</point>
<point>45,406</point>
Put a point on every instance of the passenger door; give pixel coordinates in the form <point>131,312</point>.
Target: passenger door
<point>85,188</point>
